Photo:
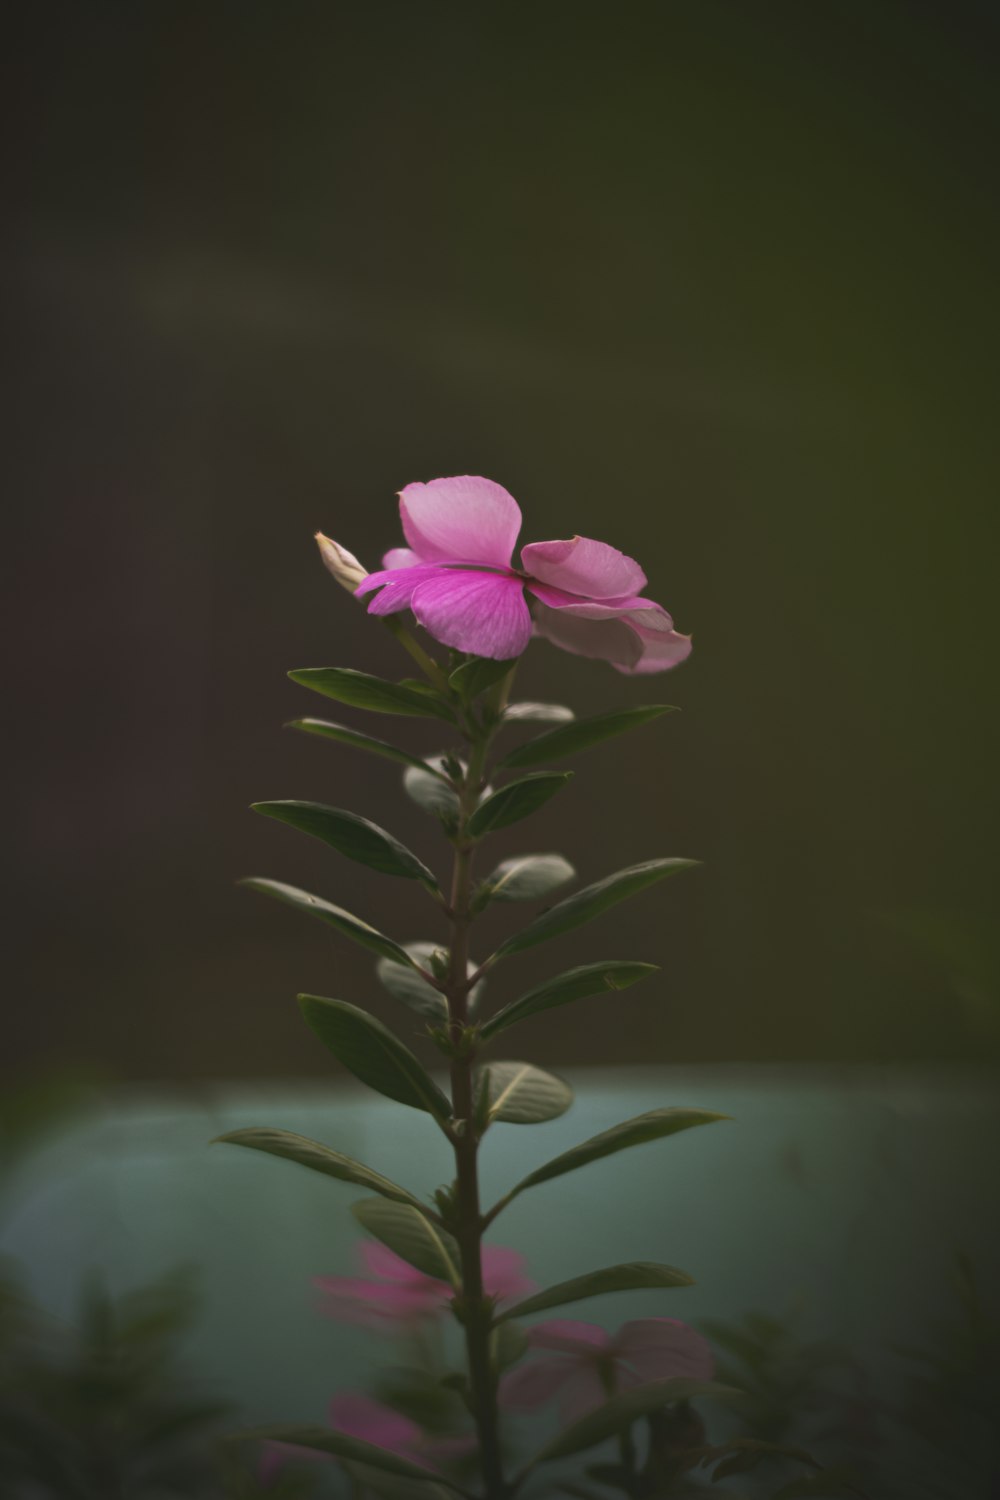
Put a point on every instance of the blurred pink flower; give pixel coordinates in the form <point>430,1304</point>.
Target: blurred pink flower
<point>363,1417</point>
<point>402,1294</point>
<point>590,1362</point>
<point>458,578</point>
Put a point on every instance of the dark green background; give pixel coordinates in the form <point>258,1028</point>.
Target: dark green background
<point>714,282</point>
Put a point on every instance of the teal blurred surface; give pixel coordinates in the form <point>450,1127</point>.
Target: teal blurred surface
<point>848,1193</point>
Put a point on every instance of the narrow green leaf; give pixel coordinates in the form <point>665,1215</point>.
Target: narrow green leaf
<point>521,1094</point>
<point>431,790</point>
<point>409,987</point>
<point>412,1236</point>
<point>372,1053</point>
<point>527,877</point>
<point>339,1445</point>
<point>637,1275</point>
<point>652,1126</point>
<point>590,902</point>
<point>516,800</point>
<point>618,1413</point>
<point>538,713</point>
<point>358,741</point>
<point>319,1158</point>
<point>349,834</point>
<point>575,984</point>
<point>556,744</point>
<point>479,673</point>
<point>334,916</point>
<point>361,690</point>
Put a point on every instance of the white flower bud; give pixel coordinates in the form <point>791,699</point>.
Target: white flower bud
<point>342,564</point>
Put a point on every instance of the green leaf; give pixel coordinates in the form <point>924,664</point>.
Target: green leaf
<point>527,877</point>
<point>508,1344</point>
<point>359,741</point>
<point>356,837</point>
<point>412,1236</point>
<point>521,1094</point>
<point>361,690</point>
<point>636,1275</point>
<point>334,916</point>
<point>590,902</point>
<point>652,1126</point>
<point>409,987</point>
<point>575,984</point>
<point>371,1052</point>
<point>581,734</point>
<point>431,790</point>
<point>538,713</point>
<point>516,800</point>
<point>340,1445</point>
<point>479,673</point>
<point>319,1158</point>
<point>615,1415</point>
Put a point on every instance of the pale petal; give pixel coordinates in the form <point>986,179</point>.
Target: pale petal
<point>400,557</point>
<point>365,1418</point>
<point>372,1304</point>
<point>465,519</point>
<point>485,614</point>
<point>396,586</point>
<point>664,1348</point>
<point>570,1337</point>
<point>584,567</point>
<point>582,1393</point>
<point>607,639</point>
<point>660,652</point>
<point>379,1260</point>
<point>503,1273</point>
<point>534,1383</point>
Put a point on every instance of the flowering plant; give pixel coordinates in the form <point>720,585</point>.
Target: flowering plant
<point>457,577</point>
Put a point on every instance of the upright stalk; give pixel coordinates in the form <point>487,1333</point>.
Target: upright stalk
<point>477,1311</point>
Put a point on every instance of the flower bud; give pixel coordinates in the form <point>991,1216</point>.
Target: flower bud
<point>342,564</point>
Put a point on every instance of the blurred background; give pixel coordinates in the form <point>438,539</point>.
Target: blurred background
<point>714,282</point>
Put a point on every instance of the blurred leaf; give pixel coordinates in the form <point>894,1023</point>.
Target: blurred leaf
<point>349,834</point>
<point>581,734</point>
<point>318,1158</point>
<point>618,1413</point>
<point>409,987</point>
<point>590,902</point>
<point>637,1275</point>
<point>527,877</point>
<point>475,676</point>
<point>521,1094</point>
<point>575,984</point>
<point>334,916</point>
<point>508,1343</point>
<point>412,1237</point>
<point>359,741</point>
<point>373,1054</point>
<point>538,713</point>
<point>326,1440</point>
<point>361,690</point>
<point>652,1126</point>
<point>518,799</point>
<point>431,790</point>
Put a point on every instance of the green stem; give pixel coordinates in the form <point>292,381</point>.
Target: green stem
<point>477,1311</point>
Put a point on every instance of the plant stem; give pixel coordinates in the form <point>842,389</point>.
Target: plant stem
<point>477,1311</point>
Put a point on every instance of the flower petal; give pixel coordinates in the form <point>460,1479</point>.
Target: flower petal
<point>465,519</point>
<point>372,1304</point>
<point>661,650</point>
<point>534,1383</point>
<point>396,586</point>
<point>503,1273</point>
<point>379,1260</point>
<point>608,638</point>
<point>365,1418</point>
<point>400,557</point>
<point>583,566</point>
<point>570,1337</point>
<point>485,614</point>
<point>662,1348</point>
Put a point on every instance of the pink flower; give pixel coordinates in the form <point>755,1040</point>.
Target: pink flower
<point>402,1294</point>
<point>363,1417</point>
<point>458,578</point>
<point>590,1363</point>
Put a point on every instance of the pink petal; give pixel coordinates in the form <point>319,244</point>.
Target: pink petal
<point>662,1348</point>
<point>465,519</point>
<point>485,614</point>
<point>400,557</point>
<point>503,1273</point>
<point>609,639</point>
<point>581,1394</point>
<point>660,652</point>
<point>365,1418</point>
<point>350,1299</point>
<point>570,1337</point>
<point>534,1383</point>
<point>396,585</point>
<point>583,566</point>
<point>383,1262</point>
<point>275,1456</point>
